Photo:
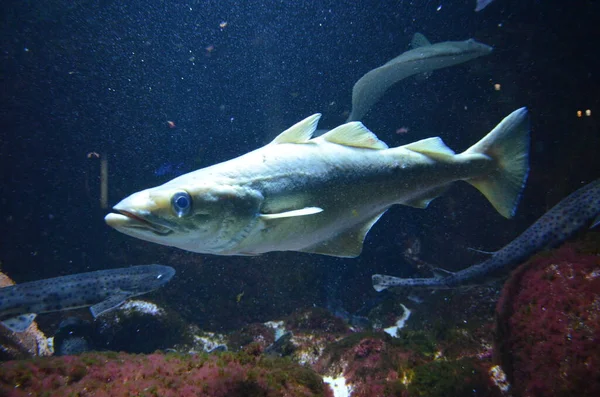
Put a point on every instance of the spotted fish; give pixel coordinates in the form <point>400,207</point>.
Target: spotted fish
<point>103,290</point>
<point>562,221</point>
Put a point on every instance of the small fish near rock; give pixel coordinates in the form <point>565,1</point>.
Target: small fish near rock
<point>21,345</point>
<point>320,195</point>
<point>102,291</point>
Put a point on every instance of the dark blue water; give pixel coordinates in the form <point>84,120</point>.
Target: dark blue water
<point>108,77</point>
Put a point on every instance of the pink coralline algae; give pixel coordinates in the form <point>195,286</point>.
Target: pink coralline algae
<point>159,375</point>
<point>548,338</point>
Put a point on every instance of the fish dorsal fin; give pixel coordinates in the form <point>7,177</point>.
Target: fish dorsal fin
<point>289,214</point>
<point>354,134</point>
<point>110,303</point>
<point>300,132</point>
<point>431,147</point>
<point>19,323</point>
<point>419,40</point>
<point>348,244</point>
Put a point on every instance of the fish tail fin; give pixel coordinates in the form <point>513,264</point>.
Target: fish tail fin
<point>508,145</point>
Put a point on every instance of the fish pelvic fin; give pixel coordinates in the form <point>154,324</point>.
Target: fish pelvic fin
<point>508,146</point>
<point>382,281</point>
<point>110,303</point>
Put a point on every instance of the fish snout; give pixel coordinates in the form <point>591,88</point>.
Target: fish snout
<point>139,211</point>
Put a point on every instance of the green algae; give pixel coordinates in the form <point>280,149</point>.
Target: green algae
<point>447,379</point>
<point>421,342</point>
<point>317,321</point>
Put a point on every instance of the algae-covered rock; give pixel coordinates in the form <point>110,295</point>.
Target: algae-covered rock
<point>16,345</point>
<point>548,325</point>
<point>112,374</point>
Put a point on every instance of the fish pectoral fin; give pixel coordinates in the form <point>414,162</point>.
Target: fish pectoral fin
<point>348,244</point>
<point>434,148</point>
<point>19,323</point>
<point>382,281</point>
<point>300,132</point>
<point>110,303</point>
<point>438,272</point>
<point>595,222</point>
<point>354,134</point>
<point>289,214</point>
<point>481,251</point>
<point>426,198</point>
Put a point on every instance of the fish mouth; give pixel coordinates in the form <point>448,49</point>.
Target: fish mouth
<point>129,220</point>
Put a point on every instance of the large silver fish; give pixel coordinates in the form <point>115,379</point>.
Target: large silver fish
<point>319,195</point>
<point>423,58</point>
<point>577,210</point>
<point>103,290</point>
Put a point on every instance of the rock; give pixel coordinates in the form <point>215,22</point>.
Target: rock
<point>17,345</point>
<point>121,374</point>
<point>548,325</point>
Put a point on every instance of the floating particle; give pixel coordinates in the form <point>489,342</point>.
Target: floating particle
<point>588,112</point>
<point>223,25</point>
<point>171,124</point>
<point>497,87</point>
<point>579,113</point>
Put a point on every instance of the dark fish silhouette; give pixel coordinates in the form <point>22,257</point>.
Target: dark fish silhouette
<point>103,290</point>
<point>424,57</point>
<point>555,226</point>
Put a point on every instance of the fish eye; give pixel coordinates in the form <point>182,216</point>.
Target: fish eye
<point>181,202</point>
